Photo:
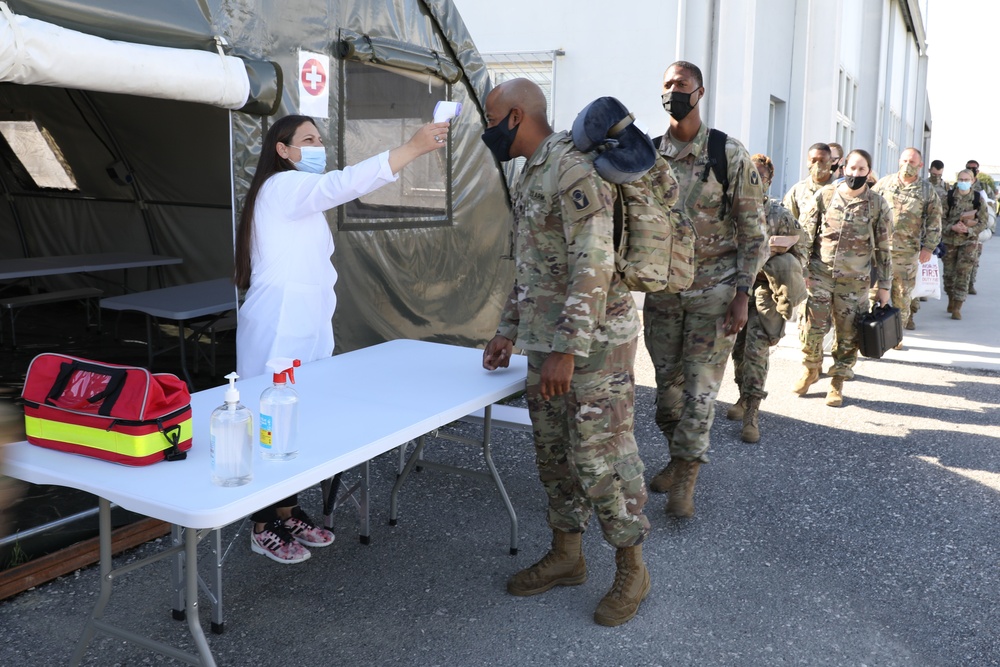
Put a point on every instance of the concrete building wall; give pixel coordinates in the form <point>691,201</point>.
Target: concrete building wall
<point>780,75</point>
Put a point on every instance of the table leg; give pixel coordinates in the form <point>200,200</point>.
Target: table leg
<point>365,527</point>
<point>487,430</point>
<point>330,488</point>
<point>180,345</point>
<point>177,573</point>
<point>104,540</point>
<point>191,590</point>
<point>215,583</point>
<point>149,340</point>
<point>407,469</point>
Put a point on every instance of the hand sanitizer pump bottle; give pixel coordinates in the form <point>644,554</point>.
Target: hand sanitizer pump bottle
<point>279,413</point>
<point>231,428</point>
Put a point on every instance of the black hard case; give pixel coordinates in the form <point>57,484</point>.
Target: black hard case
<point>879,330</point>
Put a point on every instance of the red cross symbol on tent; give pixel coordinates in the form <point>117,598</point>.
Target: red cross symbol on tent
<point>313,77</point>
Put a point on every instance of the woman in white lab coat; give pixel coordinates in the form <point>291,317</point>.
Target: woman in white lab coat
<point>283,251</point>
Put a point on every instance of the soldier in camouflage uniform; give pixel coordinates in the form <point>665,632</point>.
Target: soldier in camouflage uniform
<point>752,350</point>
<point>916,216</point>
<point>935,175</point>
<point>849,224</point>
<point>985,185</point>
<point>578,323</point>
<point>800,197</point>
<point>689,335</point>
<point>960,227</point>
<point>836,161</point>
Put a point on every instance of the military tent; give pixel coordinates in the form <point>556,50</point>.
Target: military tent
<point>134,125</point>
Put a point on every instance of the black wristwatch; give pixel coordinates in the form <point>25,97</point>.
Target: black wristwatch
<point>743,288</point>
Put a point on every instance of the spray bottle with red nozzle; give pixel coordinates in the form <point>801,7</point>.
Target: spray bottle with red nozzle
<point>279,412</point>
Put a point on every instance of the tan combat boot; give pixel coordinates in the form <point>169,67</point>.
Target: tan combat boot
<point>751,429</point>
<point>563,565</point>
<point>956,310</point>
<point>972,289</point>
<point>630,588</point>
<point>951,304</point>
<point>810,377</point>
<point>910,326</point>
<point>835,397</point>
<point>735,412</point>
<point>662,480</point>
<point>681,501</point>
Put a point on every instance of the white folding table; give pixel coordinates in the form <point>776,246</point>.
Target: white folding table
<point>209,299</point>
<point>353,407</point>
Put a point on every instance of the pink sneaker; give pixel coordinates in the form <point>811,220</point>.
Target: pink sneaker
<point>277,543</point>
<point>301,527</point>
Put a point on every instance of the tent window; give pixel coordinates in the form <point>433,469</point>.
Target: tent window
<point>383,107</point>
<point>40,157</point>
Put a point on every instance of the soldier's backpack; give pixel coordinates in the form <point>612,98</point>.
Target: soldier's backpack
<point>654,245</point>
<point>717,162</point>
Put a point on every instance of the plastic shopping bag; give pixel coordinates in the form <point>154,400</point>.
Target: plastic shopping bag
<point>928,281</point>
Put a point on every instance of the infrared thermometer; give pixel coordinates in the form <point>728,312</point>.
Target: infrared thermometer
<point>444,111</point>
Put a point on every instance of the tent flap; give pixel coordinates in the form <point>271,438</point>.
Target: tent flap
<point>394,53</point>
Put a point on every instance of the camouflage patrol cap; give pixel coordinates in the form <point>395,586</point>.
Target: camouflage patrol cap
<point>626,152</point>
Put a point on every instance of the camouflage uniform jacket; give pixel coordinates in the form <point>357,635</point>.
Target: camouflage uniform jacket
<point>844,231</point>
<point>727,251</point>
<point>940,187</point>
<point>963,203</point>
<point>916,214</point>
<point>566,292</point>
<point>800,197</point>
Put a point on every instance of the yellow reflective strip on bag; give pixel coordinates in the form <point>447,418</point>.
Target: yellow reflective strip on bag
<point>102,439</point>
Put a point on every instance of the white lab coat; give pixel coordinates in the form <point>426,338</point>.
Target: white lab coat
<point>288,310</point>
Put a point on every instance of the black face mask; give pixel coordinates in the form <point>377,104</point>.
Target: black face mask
<point>500,138</point>
<point>678,105</point>
<point>855,182</point>
<point>974,170</point>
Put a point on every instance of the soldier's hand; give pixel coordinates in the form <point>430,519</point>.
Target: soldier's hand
<point>557,373</point>
<point>497,353</point>
<point>736,314</point>
<point>925,255</point>
<point>883,297</point>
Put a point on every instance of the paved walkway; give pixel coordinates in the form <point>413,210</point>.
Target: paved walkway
<point>864,535</point>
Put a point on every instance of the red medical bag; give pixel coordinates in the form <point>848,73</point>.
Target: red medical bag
<point>123,414</point>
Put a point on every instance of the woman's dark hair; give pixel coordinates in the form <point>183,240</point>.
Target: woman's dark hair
<point>863,153</point>
<point>269,164</point>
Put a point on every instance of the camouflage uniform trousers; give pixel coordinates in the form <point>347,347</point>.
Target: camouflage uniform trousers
<point>837,304</point>
<point>752,355</point>
<point>684,338</point>
<point>975,268</point>
<point>904,278</point>
<point>585,448</point>
<point>959,261</point>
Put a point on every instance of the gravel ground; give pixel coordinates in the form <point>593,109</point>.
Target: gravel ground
<point>864,535</point>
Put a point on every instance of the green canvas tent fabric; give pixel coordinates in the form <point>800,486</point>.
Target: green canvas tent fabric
<point>425,258</point>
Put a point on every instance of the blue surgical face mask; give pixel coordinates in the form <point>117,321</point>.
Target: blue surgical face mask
<point>964,186</point>
<point>313,159</point>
